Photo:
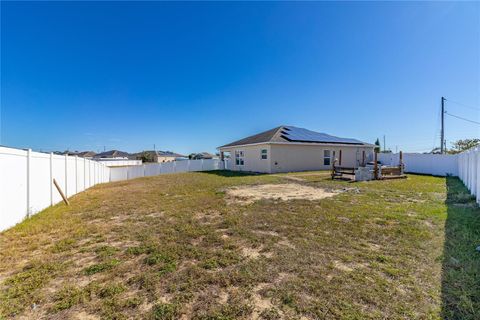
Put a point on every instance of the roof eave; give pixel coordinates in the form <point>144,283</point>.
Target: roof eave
<point>300,143</point>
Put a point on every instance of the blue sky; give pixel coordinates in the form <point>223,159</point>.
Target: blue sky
<point>192,76</point>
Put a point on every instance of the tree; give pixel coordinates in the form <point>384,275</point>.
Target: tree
<point>145,157</point>
<point>463,145</point>
<point>435,150</point>
<point>377,145</point>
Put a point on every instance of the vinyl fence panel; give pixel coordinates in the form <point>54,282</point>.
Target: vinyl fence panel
<point>39,182</point>
<point>181,166</point>
<point>13,186</point>
<point>195,165</point>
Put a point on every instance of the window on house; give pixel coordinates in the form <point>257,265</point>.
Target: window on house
<point>239,158</point>
<point>264,154</point>
<point>326,157</point>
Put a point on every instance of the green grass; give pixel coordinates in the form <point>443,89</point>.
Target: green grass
<point>177,245</point>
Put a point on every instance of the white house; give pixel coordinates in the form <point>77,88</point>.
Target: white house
<point>288,148</point>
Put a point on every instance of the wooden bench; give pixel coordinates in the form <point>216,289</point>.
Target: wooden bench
<point>340,171</point>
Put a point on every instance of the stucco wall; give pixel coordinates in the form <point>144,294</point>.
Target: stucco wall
<point>252,159</point>
<point>286,158</point>
<point>165,159</point>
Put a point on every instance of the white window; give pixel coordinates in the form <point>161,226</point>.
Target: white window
<point>326,157</point>
<point>239,158</point>
<point>264,154</point>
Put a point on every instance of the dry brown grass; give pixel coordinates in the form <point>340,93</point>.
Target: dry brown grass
<point>170,247</point>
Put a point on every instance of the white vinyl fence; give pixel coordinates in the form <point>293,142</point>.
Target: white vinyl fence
<point>26,181</point>
<point>465,165</point>
<point>434,164</point>
<point>153,169</point>
<point>469,170</point>
<point>26,178</point>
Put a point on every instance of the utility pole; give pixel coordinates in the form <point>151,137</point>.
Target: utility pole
<point>154,149</point>
<point>442,134</point>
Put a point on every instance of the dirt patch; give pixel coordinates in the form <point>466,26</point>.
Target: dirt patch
<point>84,316</point>
<point>260,303</point>
<point>254,253</point>
<point>285,192</point>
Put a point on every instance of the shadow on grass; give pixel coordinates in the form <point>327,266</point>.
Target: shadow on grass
<point>228,173</point>
<point>461,262</point>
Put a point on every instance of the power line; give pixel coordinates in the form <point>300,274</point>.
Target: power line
<point>452,115</point>
<point>464,105</point>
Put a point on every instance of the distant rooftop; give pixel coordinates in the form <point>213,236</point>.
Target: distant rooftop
<point>112,154</point>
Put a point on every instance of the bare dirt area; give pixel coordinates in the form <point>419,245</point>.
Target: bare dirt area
<point>284,191</point>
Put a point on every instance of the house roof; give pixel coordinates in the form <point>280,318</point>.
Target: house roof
<point>162,153</point>
<point>86,154</point>
<point>112,154</point>
<point>291,134</point>
<point>203,155</point>
<point>170,154</point>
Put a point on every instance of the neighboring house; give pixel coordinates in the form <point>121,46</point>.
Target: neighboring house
<point>86,154</point>
<point>69,153</point>
<point>158,156</point>
<point>288,148</point>
<point>112,154</point>
<point>202,155</point>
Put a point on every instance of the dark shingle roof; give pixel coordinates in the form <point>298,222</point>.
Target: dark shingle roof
<point>292,134</point>
<point>112,154</point>
<point>170,154</point>
<point>271,135</point>
<point>161,153</point>
<point>86,154</point>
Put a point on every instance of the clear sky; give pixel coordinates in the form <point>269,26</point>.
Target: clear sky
<point>192,76</point>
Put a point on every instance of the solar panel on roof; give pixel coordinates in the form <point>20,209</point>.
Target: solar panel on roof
<point>304,135</point>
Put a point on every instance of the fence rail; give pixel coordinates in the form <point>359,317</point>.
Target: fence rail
<point>119,163</point>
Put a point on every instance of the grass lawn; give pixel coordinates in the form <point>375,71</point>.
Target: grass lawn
<point>178,247</point>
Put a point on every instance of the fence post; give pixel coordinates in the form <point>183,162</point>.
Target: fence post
<point>51,178</point>
<point>84,174</point>
<point>188,165</point>
<point>401,162</point>
<point>29,161</point>
<point>66,175</point>
<point>76,174</point>
<point>474,172</point>
<point>174,166</point>
<point>478,174</point>
<point>202,164</point>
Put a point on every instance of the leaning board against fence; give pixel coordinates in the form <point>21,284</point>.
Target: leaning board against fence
<point>26,181</point>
